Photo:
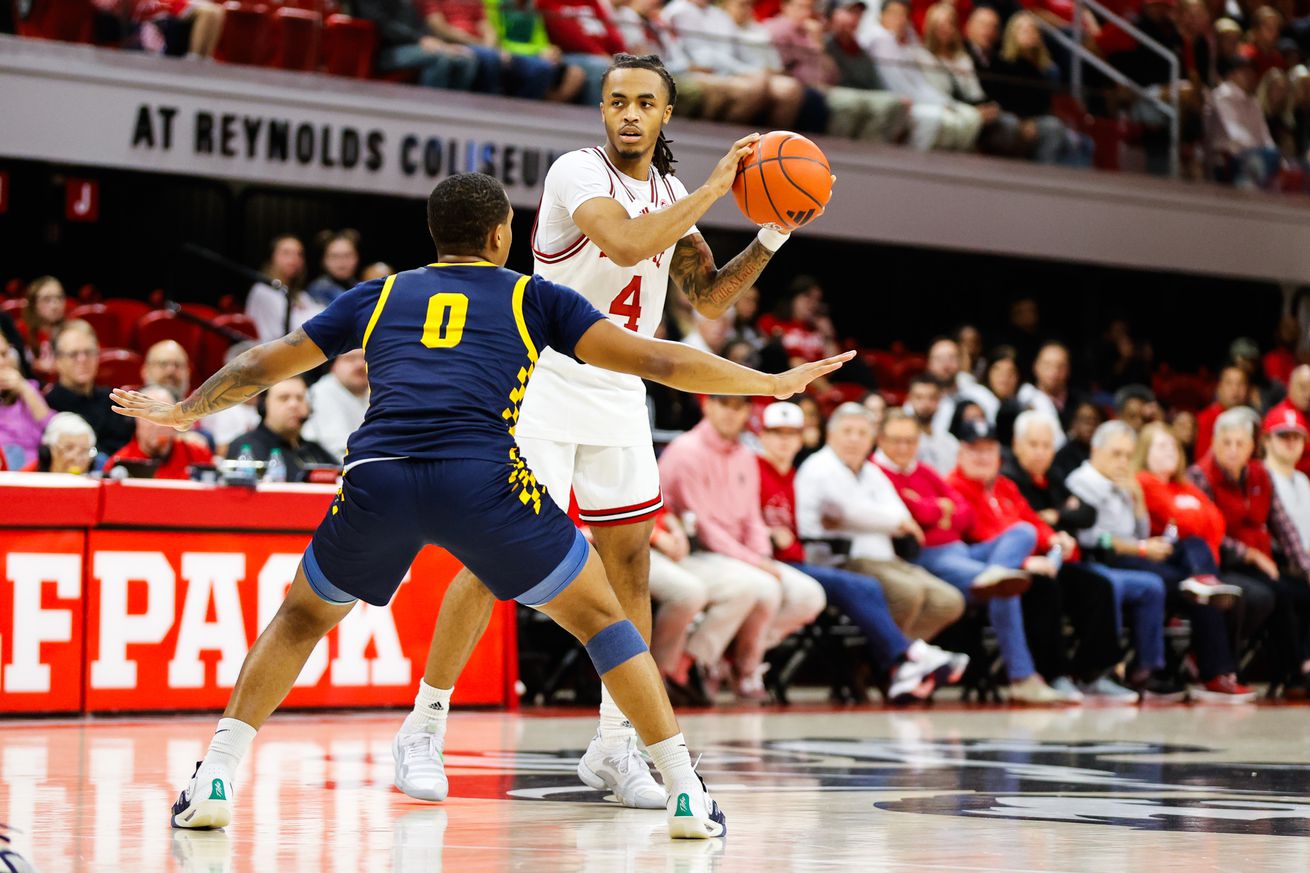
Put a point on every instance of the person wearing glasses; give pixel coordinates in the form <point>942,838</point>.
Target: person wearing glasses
<point>77,359</point>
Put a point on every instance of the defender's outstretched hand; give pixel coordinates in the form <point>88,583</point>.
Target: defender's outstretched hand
<point>134,404</point>
<point>794,381</point>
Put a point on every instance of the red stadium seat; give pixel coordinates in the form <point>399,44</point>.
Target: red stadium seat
<point>245,27</point>
<point>14,288</point>
<point>239,322</point>
<point>13,307</point>
<point>348,46</point>
<point>118,368</point>
<point>109,328</point>
<point>128,312</point>
<point>88,294</point>
<point>200,310</point>
<point>295,39</point>
<point>63,20</point>
<point>163,325</point>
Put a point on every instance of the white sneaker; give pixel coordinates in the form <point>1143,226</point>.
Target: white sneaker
<point>619,767</point>
<point>998,581</point>
<point>693,815</point>
<point>1064,687</point>
<point>206,802</point>
<point>1106,690</point>
<point>420,765</point>
<point>1210,590</point>
<point>955,667</point>
<point>913,677</point>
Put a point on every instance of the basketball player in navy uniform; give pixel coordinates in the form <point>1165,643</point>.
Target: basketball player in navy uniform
<point>450,350</point>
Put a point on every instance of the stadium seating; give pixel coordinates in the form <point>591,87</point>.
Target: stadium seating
<point>119,368</point>
<point>348,45</point>
<point>245,31</point>
<point>63,20</point>
<point>163,325</point>
<point>128,312</point>
<point>295,39</point>
<point>109,327</point>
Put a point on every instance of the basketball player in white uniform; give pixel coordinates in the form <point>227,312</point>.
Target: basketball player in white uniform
<point>615,225</point>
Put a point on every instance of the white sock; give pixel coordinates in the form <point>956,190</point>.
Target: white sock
<point>673,761</point>
<point>614,725</point>
<point>231,740</point>
<point>431,706</point>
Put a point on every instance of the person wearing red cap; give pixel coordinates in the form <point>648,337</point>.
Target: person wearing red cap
<point>1285,435</point>
<point>1258,528</point>
<point>1298,400</point>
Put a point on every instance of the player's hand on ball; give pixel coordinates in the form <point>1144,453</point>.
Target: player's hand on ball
<point>133,404</point>
<point>721,179</point>
<point>794,381</point>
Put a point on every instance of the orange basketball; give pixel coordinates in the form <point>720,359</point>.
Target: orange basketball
<point>786,181</point>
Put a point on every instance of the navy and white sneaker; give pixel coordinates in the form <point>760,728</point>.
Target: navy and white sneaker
<point>693,815</point>
<point>206,802</point>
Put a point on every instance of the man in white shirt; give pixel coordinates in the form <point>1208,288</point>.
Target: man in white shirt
<point>1236,125</point>
<point>338,403</point>
<point>841,494</point>
<point>937,448</point>
<point>944,366</point>
<point>1285,436</point>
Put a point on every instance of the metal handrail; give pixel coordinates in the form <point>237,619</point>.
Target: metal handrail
<point>1079,54</point>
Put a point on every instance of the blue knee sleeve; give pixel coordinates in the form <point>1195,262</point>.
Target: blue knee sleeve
<point>615,645</point>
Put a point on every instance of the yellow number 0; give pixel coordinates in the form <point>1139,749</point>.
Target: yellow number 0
<point>444,327</point>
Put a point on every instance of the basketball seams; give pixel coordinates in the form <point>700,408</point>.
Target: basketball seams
<point>807,212</point>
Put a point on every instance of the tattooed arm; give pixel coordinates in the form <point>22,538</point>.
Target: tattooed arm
<point>713,289</point>
<point>240,379</point>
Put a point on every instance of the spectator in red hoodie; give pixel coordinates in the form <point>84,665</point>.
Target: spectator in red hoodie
<point>1060,586</point>
<point>985,571</point>
<point>910,668</point>
<point>1257,529</point>
<point>1234,389</point>
<point>588,36</point>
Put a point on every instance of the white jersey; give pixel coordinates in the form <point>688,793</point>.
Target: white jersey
<point>566,401</point>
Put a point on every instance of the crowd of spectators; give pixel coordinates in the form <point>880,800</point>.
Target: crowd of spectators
<point>978,484</point>
<point>1079,520</point>
<point>989,75</point>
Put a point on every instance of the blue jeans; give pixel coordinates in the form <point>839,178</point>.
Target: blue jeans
<point>522,76</point>
<point>960,564</point>
<point>861,598</point>
<point>594,66</point>
<point>1143,593</point>
<point>434,70</point>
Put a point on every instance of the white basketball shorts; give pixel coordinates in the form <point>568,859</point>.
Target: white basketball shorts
<point>613,484</point>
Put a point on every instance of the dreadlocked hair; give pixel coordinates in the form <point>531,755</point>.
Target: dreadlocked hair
<point>663,159</point>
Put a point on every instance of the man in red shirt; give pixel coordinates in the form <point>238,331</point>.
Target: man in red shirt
<point>1060,587</point>
<point>911,669</point>
<point>163,445</point>
<point>588,36</point>
<point>989,570</point>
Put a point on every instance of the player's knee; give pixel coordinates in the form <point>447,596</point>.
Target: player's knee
<point>615,646</point>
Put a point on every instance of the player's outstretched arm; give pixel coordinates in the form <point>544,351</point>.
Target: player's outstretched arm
<point>627,241</point>
<point>679,366</point>
<point>240,379</point>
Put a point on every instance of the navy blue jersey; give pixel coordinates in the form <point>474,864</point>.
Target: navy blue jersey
<point>450,349</point>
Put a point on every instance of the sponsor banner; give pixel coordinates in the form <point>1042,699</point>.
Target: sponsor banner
<point>171,616</point>
<point>41,620</point>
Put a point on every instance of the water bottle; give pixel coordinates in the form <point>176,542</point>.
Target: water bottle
<point>689,527</point>
<point>1056,557</point>
<point>246,461</point>
<point>276,470</point>
<point>1171,532</point>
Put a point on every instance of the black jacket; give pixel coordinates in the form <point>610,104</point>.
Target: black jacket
<point>263,441</point>
<point>1074,514</point>
<point>398,21</point>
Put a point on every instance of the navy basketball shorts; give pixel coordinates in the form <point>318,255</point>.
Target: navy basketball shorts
<point>389,510</point>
